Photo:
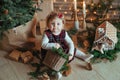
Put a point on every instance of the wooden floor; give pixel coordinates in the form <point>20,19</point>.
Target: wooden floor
<point>11,70</point>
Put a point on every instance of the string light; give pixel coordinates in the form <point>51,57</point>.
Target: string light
<point>108,16</point>
<point>69,8</point>
<point>54,0</point>
<point>92,4</point>
<point>111,6</point>
<point>114,13</point>
<point>86,11</point>
<point>65,0</point>
<point>91,19</point>
<point>60,8</point>
<point>65,12</point>
<point>99,5</point>
<point>94,12</point>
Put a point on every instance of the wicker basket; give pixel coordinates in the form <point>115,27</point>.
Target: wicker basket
<point>54,61</point>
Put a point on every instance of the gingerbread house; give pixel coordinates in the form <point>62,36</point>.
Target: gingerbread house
<point>105,37</point>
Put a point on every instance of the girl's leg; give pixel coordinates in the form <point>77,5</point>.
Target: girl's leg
<point>83,56</point>
<point>68,71</point>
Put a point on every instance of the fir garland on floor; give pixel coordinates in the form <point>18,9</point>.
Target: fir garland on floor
<point>39,71</point>
<point>108,55</point>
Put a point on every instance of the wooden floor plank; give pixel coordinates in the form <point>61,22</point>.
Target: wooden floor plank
<point>109,70</point>
<point>20,70</point>
<point>3,61</point>
<point>6,73</point>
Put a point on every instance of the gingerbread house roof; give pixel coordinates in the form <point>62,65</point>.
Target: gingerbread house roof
<point>107,30</point>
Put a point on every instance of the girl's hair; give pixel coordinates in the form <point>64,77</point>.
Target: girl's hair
<point>52,16</point>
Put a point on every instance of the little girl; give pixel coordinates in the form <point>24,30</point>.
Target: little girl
<point>56,36</point>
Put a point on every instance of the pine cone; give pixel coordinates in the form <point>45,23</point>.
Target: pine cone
<point>5,11</point>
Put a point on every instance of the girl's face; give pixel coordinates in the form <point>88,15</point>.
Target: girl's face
<point>56,25</point>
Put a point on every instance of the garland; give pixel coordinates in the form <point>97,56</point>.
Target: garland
<point>60,52</point>
<point>50,72</point>
<point>108,55</point>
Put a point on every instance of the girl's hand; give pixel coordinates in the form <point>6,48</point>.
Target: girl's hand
<point>57,45</point>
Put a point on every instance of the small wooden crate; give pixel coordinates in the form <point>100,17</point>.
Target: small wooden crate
<point>15,55</point>
<point>26,56</point>
<point>53,60</point>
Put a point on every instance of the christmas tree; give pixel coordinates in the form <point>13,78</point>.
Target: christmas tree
<point>14,13</point>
